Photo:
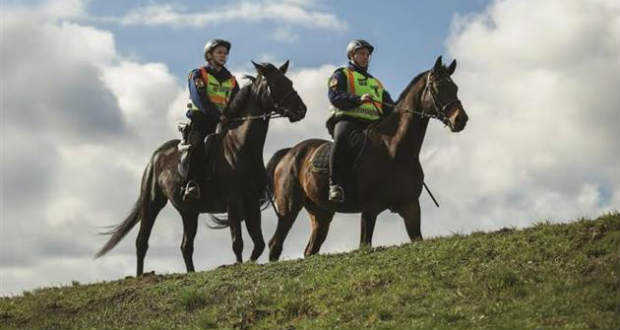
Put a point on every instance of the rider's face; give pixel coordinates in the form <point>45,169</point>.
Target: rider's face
<point>219,55</point>
<point>361,57</point>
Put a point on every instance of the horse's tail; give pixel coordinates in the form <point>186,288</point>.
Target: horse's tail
<point>120,230</point>
<point>270,170</point>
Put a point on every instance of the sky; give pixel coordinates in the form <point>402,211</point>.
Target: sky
<point>90,89</point>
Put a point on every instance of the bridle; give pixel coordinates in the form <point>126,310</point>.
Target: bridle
<point>440,109</point>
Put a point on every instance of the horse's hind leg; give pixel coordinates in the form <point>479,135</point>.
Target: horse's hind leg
<point>411,216</point>
<point>319,221</point>
<point>149,210</point>
<point>287,211</point>
<point>253,225</point>
<point>368,228</point>
<point>190,223</point>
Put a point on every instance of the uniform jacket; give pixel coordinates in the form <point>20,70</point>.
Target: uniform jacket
<point>342,99</point>
<point>199,97</point>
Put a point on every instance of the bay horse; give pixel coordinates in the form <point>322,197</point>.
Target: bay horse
<point>239,171</point>
<point>388,174</point>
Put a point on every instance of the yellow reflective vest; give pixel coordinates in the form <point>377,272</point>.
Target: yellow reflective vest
<point>217,92</point>
<point>359,84</point>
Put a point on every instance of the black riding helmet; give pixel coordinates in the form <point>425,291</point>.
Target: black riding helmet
<point>356,44</point>
<point>211,44</point>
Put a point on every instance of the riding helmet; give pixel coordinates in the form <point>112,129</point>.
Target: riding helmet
<point>211,44</point>
<point>356,44</point>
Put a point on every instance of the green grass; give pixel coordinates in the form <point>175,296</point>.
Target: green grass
<point>550,276</point>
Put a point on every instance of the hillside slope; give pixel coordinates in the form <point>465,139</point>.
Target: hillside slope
<point>547,276</point>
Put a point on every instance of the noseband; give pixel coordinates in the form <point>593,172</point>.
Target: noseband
<point>278,105</point>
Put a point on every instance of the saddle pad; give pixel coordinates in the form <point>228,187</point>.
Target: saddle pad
<point>320,160</point>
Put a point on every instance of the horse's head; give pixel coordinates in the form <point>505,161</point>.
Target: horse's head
<point>277,92</point>
<point>439,96</point>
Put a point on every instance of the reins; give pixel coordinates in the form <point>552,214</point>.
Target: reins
<point>264,116</point>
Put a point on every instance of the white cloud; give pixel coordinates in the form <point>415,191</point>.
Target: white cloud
<point>311,84</point>
<point>64,8</point>
<point>539,81</point>
<point>79,123</point>
<point>77,148</point>
<point>285,35</point>
<point>289,12</point>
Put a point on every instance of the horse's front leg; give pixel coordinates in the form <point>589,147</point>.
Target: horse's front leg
<point>190,224</point>
<point>235,213</point>
<point>253,225</point>
<point>411,216</point>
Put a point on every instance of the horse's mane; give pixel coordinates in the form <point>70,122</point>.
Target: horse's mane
<point>411,84</point>
<point>393,117</point>
<point>236,105</point>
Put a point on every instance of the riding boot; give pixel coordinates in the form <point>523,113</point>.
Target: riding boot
<point>336,192</point>
<point>191,190</point>
<point>339,158</point>
<point>189,148</point>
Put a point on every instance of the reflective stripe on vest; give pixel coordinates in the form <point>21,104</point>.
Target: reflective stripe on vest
<point>358,84</point>
<point>218,93</point>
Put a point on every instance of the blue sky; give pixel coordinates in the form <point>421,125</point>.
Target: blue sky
<point>103,84</point>
<point>408,35</point>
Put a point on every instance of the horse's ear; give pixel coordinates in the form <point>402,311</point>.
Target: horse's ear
<point>451,67</point>
<point>284,67</point>
<point>259,68</point>
<point>438,64</point>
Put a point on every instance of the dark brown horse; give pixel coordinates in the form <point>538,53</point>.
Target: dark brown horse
<point>238,165</point>
<point>388,175</point>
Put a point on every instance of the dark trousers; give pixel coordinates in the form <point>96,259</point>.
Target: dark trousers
<point>201,125</point>
<point>347,135</point>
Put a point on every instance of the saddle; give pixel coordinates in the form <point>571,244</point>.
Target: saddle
<point>319,164</point>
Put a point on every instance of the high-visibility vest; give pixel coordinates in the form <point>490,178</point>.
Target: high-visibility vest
<point>359,84</point>
<point>217,92</point>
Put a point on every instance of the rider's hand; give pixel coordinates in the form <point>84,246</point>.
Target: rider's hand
<point>366,98</point>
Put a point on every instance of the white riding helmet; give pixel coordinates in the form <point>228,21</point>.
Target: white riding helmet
<point>211,44</point>
<point>356,44</point>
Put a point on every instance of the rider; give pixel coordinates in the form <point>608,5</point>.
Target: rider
<point>211,88</point>
<point>357,99</point>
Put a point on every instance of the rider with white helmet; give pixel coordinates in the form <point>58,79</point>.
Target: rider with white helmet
<point>211,88</point>
<point>357,99</point>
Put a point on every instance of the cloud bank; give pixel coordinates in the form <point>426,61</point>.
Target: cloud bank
<point>300,13</point>
<point>539,82</point>
<point>80,121</point>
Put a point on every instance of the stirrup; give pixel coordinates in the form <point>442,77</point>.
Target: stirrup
<point>336,193</point>
<point>191,191</point>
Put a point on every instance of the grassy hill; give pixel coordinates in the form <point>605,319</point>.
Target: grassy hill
<point>548,276</point>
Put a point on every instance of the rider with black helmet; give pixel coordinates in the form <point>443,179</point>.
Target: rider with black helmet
<point>357,99</point>
<point>211,88</point>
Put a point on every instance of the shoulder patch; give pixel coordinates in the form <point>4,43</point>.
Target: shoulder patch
<point>333,82</point>
<point>200,83</point>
